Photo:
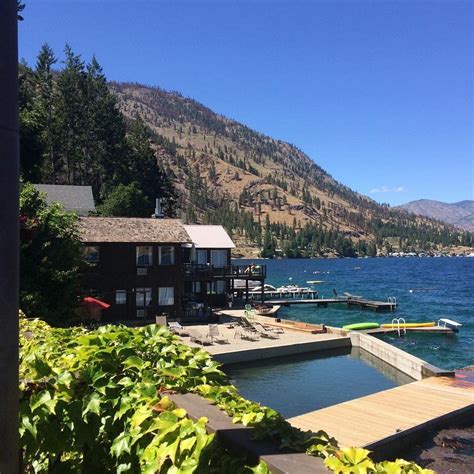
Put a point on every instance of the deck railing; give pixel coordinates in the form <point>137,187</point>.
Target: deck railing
<point>237,271</point>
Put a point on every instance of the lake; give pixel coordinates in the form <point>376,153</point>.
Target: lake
<point>426,289</point>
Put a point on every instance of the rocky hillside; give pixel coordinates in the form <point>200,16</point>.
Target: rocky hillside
<point>459,214</point>
<point>226,171</point>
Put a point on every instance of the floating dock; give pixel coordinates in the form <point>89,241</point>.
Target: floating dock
<point>350,302</point>
<point>429,329</point>
<point>386,421</point>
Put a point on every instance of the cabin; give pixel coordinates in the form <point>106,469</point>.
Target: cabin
<point>148,267</point>
<point>135,265</point>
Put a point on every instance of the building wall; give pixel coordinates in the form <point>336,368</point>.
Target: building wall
<point>117,270</point>
<point>203,296</point>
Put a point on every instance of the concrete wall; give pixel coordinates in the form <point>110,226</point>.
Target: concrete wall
<point>413,366</point>
<point>259,353</point>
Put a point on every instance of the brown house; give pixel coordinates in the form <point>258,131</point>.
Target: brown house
<point>146,267</point>
<point>135,265</point>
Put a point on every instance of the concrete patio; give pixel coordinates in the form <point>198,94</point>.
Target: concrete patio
<point>243,350</point>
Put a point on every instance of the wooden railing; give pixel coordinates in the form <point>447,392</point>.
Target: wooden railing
<point>237,271</point>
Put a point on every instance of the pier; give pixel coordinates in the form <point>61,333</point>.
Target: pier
<point>350,302</point>
<point>387,421</point>
<point>429,329</point>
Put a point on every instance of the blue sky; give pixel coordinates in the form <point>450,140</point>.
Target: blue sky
<point>378,93</point>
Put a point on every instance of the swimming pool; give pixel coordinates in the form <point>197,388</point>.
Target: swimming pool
<point>294,385</point>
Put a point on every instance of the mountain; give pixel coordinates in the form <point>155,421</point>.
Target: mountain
<point>133,143</point>
<point>459,214</point>
<point>256,185</point>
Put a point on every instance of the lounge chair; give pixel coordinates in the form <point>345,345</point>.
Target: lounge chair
<point>200,338</point>
<point>245,333</point>
<point>267,327</point>
<point>176,328</point>
<point>247,325</point>
<point>265,332</point>
<point>215,335</point>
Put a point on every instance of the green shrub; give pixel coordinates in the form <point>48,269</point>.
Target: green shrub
<point>96,401</point>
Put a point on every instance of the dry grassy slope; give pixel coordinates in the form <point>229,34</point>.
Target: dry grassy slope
<point>200,134</point>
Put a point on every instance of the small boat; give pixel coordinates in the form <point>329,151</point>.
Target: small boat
<point>314,282</point>
<point>265,309</point>
<point>408,325</point>
<point>359,326</point>
<point>266,287</point>
<point>449,323</point>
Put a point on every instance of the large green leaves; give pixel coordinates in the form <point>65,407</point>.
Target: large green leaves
<point>96,401</point>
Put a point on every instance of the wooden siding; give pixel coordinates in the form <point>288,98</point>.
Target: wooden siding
<point>117,270</point>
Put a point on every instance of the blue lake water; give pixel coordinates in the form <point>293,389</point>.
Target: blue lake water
<point>442,287</point>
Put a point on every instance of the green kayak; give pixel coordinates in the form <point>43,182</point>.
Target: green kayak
<point>356,326</point>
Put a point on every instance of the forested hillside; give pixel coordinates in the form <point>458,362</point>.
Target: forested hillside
<point>133,143</point>
<point>265,190</point>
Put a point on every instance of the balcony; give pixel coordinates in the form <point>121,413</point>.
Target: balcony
<point>244,272</point>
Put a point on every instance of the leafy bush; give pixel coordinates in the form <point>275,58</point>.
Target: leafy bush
<point>50,259</point>
<point>96,401</point>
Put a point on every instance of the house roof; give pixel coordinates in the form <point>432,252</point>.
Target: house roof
<point>209,236</point>
<point>78,199</point>
<point>131,229</point>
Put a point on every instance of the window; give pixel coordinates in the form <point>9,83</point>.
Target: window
<point>91,254</point>
<point>218,258</point>
<point>202,257</point>
<point>120,297</point>
<point>144,256</point>
<point>220,287</point>
<point>142,297</point>
<point>166,296</point>
<point>166,255</point>
<point>216,287</point>
<point>196,287</point>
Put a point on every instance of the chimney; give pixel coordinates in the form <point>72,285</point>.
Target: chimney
<point>158,209</point>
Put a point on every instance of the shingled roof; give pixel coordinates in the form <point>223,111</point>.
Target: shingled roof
<point>131,229</point>
<point>78,199</point>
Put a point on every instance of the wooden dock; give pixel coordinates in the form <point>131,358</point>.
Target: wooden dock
<point>350,302</point>
<point>429,329</point>
<point>384,421</point>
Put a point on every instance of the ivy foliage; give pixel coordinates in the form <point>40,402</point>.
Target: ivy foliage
<point>97,401</point>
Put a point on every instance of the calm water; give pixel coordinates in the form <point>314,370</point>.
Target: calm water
<point>442,287</point>
<point>298,384</point>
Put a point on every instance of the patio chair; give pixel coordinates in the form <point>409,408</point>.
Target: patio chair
<point>266,333</point>
<point>244,333</point>
<point>200,338</point>
<point>274,329</point>
<point>247,325</point>
<point>176,328</point>
<point>249,311</point>
<point>161,320</point>
<point>215,335</point>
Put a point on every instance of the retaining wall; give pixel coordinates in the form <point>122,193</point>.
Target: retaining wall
<point>260,353</point>
<point>413,366</point>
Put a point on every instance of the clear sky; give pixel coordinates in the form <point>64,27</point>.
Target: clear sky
<point>378,93</point>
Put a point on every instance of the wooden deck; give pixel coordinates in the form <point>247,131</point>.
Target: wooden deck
<point>384,419</point>
<point>429,329</point>
<point>360,303</point>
